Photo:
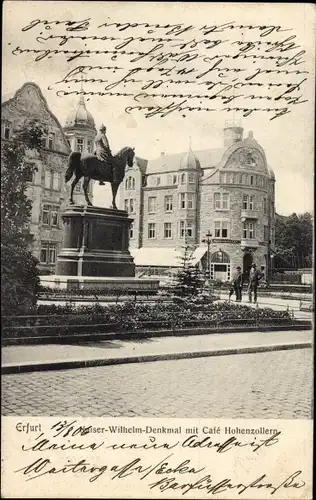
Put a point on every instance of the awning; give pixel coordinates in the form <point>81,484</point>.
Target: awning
<point>198,253</point>
<point>164,257</point>
<point>156,257</point>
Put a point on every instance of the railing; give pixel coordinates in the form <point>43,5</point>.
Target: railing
<point>41,333</point>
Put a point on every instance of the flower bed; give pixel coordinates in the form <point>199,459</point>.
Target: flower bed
<point>137,317</point>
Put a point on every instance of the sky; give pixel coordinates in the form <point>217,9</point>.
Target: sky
<point>287,141</point>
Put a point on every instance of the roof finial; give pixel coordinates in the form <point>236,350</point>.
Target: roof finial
<point>81,98</point>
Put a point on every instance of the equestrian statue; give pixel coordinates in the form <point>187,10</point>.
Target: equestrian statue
<point>100,165</point>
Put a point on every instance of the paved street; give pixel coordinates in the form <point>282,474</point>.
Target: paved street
<point>261,385</point>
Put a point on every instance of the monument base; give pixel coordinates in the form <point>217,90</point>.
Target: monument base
<point>95,243</point>
<point>117,285</point>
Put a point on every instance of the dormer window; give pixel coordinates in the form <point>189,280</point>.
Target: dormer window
<point>191,178</point>
<point>80,144</point>
<point>182,179</point>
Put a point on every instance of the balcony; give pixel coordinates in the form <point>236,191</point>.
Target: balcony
<point>249,243</point>
<point>249,214</point>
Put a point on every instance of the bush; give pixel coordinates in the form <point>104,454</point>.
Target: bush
<point>132,316</point>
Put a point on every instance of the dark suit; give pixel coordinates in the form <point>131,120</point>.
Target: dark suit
<point>237,284</point>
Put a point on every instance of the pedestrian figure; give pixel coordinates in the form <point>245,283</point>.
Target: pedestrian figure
<point>254,277</point>
<point>102,148</point>
<point>237,284</point>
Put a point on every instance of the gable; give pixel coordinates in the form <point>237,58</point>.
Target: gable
<point>29,103</point>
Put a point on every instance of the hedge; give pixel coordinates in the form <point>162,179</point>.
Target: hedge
<point>132,316</point>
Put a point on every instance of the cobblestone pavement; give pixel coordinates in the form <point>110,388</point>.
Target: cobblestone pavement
<point>263,385</point>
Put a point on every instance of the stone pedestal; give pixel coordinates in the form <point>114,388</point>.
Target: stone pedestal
<point>95,243</point>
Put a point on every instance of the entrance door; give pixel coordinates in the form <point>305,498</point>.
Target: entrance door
<point>247,262</point>
<point>220,272</point>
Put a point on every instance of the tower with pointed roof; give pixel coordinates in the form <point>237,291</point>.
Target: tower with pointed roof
<point>80,128</point>
<point>80,131</point>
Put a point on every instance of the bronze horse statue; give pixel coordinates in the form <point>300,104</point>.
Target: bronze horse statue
<point>88,166</point>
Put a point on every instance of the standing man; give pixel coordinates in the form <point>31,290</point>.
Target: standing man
<point>254,277</point>
<point>237,283</point>
<point>102,148</point>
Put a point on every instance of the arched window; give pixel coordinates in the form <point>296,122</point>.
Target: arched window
<point>130,183</point>
<point>182,178</point>
<point>221,257</point>
<point>220,266</point>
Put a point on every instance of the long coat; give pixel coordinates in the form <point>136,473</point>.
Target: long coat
<point>102,148</point>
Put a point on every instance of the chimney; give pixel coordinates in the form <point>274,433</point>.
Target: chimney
<point>233,132</point>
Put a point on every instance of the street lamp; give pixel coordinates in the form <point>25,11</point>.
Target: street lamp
<point>208,241</point>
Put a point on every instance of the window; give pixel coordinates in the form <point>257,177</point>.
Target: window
<point>189,229</point>
<point>129,205</point>
<point>251,180</point>
<point>225,201</point>
<point>231,178</point>
<point>158,179</point>
<point>272,209</point>
<point>190,201</point>
<point>182,200</point>
<point>56,181</point>
<point>182,179</point>
<point>89,146</point>
<point>51,141</point>
<point>29,171</point>
<point>167,230</point>
<point>152,204</point>
<point>221,229</point>
<point>54,216</point>
<point>251,202</point>
<point>168,203</point>
<point>80,144</point>
<point>130,183</point>
<point>217,201</point>
<point>174,179</point>
<point>52,180</point>
<point>186,229</point>
<point>191,178</point>
<point>245,200</point>
<point>6,129</point>
<point>248,230</point>
<point>246,179</point>
<point>48,179</point>
<point>265,206</point>
<point>45,214</point>
<point>50,214</point>
<point>169,180</point>
<point>131,230</point>
<point>222,177</point>
<point>48,252</point>
<point>151,230</point>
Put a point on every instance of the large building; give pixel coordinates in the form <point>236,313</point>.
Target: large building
<point>227,193</point>
<point>46,188</point>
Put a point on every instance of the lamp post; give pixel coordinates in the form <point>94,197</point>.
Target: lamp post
<point>208,241</point>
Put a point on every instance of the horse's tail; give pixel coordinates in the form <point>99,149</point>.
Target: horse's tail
<point>73,162</point>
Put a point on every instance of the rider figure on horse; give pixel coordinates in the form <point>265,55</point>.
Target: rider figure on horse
<point>102,148</point>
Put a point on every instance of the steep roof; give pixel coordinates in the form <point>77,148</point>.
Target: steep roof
<point>208,158</point>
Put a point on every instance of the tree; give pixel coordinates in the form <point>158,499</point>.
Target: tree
<point>187,283</point>
<point>19,273</point>
<point>294,240</point>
